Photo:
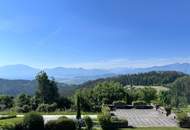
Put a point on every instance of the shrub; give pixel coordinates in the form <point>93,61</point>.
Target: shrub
<point>139,103</point>
<point>26,108</point>
<point>33,121</point>
<point>105,122</point>
<point>47,107</point>
<point>61,124</point>
<point>119,104</point>
<point>168,110</point>
<point>88,122</point>
<point>183,120</point>
<point>50,125</point>
<point>18,126</point>
<point>62,118</point>
<point>105,109</point>
<point>117,123</point>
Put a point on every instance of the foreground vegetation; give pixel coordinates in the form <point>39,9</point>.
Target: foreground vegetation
<point>119,91</point>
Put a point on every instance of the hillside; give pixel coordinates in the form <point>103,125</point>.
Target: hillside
<point>81,75</point>
<point>15,87</point>
<point>153,78</point>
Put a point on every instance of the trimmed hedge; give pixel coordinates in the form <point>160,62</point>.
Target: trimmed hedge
<point>88,122</point>
<point>183,120</point>
<point>61,124</point>
<point>111,123</point>
<point>141,105</point>
<point>11,124</point>
<point>33,121</point>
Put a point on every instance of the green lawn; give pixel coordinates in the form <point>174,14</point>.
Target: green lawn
<point>158,88</point>
<point>9,123</point>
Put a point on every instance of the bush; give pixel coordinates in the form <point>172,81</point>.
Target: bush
<point>50,125</point>
<point>118,123</point>
<point>18,126</point>
<point>88,122</point>
<point>61,124</point>
<point>47,107</point>
<point>139,103</point>
<point>26,108</point>
<point>23,109</point>
<point>62,118</point>
<point>105,122</point>
<point>119,104</point>
<point>168,110</point>
<point>33,121</point>
<point>105,110</point>
<point>183,120</point>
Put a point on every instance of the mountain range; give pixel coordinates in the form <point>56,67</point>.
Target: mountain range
<point>80,75</point>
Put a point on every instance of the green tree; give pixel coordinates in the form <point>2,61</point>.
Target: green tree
<point>47,89</point>
<point>180,92</point>
<point>7,101</point>
<point>165,98</point>
<point>149,94</point>
<point>78,107</point>
<point>22,100</point>
<point>107,92</point>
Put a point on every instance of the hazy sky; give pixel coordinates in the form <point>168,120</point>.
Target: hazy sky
<point>94,33</point>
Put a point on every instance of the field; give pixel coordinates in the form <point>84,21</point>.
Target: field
<point>158,88</point>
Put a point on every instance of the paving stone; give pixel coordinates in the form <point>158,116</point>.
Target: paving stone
<point>145,118</point>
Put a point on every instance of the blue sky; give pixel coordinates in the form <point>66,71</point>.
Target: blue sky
<point>94,33</point>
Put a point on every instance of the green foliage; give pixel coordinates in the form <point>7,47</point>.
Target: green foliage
<point>168,110</point>
<point>22,103</point>
<point>47,89</point>
<point>22,100</point>
<point>78,108</point>
<point>105,110</point>
<point>7,101</point>
<point>139,103</point>
<point>164,98</point>
<point>47,107</point>
<point>88,122</point>
<point>119,123</point>
<point>148,94</point>
<point>146,79</point>
<point>61,124</point>
<point>180,92</point>
<point>105,122</point>
<point>183,120</point>
<point>107,92</point>
<point>33,121</point>
<point>64,103</point>
<point>11,124</point>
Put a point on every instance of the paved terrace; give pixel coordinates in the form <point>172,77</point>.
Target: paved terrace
<point>145,118</point>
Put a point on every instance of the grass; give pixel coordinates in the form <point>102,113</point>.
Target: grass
<point>12,120</point>
<point>9,123</point>
<point>158,88</point>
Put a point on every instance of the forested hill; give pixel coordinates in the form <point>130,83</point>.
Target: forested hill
<point>147,79</point>
<point>15,87</point>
